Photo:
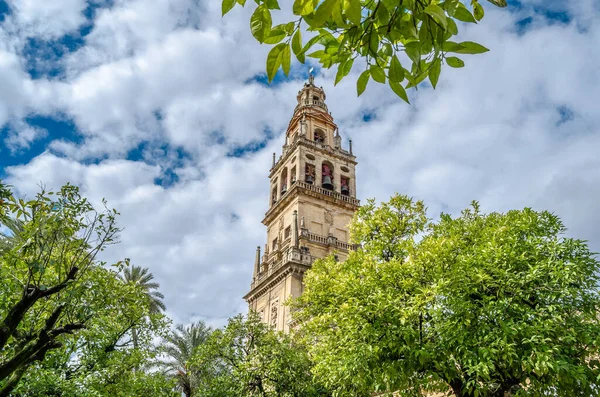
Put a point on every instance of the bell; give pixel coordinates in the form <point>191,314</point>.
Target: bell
<point>345,190</point>
<point>327,182</point>
<point>309,179</point>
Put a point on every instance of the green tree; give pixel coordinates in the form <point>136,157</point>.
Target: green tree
<point>179,347</point>
<point>102,359</point>
<point>62,311</point>
<point>399,42</point>
<point>247,358</point>
<point>480,305</point>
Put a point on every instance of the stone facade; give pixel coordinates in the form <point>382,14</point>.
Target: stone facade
<point>312,199</point>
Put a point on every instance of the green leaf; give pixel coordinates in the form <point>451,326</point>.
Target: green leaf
<point>396,72</point>
<point>399,90</point>
<point>373,41</point>
<point>241,2</point>
<point>273,5</point>
<point>452,28</point>
<point>274,60</point>
<point>462,14</point>
<point>297,42</point>
<point>478,11</point>
<point>469,47</point>
<point>317,54</point>
<point>377,73</point>
<point>226,6</point>
<point>343,70</point>
<point>434,72</point>
<point>275,36</point>
<point>260,23</point>
<point>310,43</point>
<point>437,13</point>
<point>455,62</point>
<point>289,27</point>
<point>303,7</point>
<point>286,59</point>
<point>451,46</point>
<point>498,3</point>
<point>362,81</point>
<point>323,13</point>
<point>353,11</point>
<point>413,50</point>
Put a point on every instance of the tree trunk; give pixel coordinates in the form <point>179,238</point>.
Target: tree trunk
<point>13,381</point>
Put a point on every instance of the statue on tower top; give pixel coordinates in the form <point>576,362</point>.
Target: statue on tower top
<point>311,79</point>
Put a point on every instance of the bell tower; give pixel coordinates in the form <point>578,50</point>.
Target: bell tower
<point>312,198</point>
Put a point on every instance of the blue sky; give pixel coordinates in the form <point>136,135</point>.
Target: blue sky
<point>162,107</point>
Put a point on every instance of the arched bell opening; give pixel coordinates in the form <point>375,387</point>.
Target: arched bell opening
<point>309,174</point>
<point>293,176</point>
<point>274,192</point>
<point>327,175</point>
<point>284,179</point>
<point>345,185</point>
<point>319,136</point>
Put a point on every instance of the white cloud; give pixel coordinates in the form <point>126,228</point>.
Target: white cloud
<point>50,19</point>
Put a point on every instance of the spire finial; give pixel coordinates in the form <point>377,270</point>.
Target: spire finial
<point>311,78</point>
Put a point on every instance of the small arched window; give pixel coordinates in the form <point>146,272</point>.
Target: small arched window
<point>293,176</point>
<point>319,136</point>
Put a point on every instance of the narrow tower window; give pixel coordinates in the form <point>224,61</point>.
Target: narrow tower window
<point>284,178</point>
<point>293,176</point>
<point>274,195</point>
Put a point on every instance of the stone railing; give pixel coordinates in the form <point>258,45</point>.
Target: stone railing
<point>313,102</point>
<point>326,192</point>
<point>289,254</point>
<point>316,238</point>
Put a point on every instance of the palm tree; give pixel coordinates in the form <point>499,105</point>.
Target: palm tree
<point>178,348</point>
<point>11,235</point>
<point>140,276</point>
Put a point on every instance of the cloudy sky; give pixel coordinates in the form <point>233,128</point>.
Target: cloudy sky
<point>161,106</point>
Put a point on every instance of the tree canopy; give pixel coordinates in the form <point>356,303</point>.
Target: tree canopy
<point>478,304</point>
<point>400,43</point>
<point>247,358</point>
<point>65,317</point>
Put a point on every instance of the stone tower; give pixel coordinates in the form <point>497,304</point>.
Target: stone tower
<point>311,202</point>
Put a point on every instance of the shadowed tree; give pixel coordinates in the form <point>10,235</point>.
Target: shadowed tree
<point>178,348</point>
